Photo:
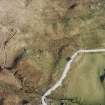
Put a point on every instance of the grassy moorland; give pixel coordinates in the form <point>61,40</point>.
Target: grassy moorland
<point>50,31</point>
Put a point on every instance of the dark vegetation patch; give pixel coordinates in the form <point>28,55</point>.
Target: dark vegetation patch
<point>27,2</point>
<point>73,6</point>
<point>68,58</point>
<point>17,59</point>
<point>24,102</point>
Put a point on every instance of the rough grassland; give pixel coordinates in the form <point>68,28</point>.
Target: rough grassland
<point>83,80</point>
<point>45,33</point>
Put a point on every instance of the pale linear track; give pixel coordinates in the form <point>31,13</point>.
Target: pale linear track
<point>67,68</point>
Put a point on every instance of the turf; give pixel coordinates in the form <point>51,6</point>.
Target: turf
<point>85,81</point>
